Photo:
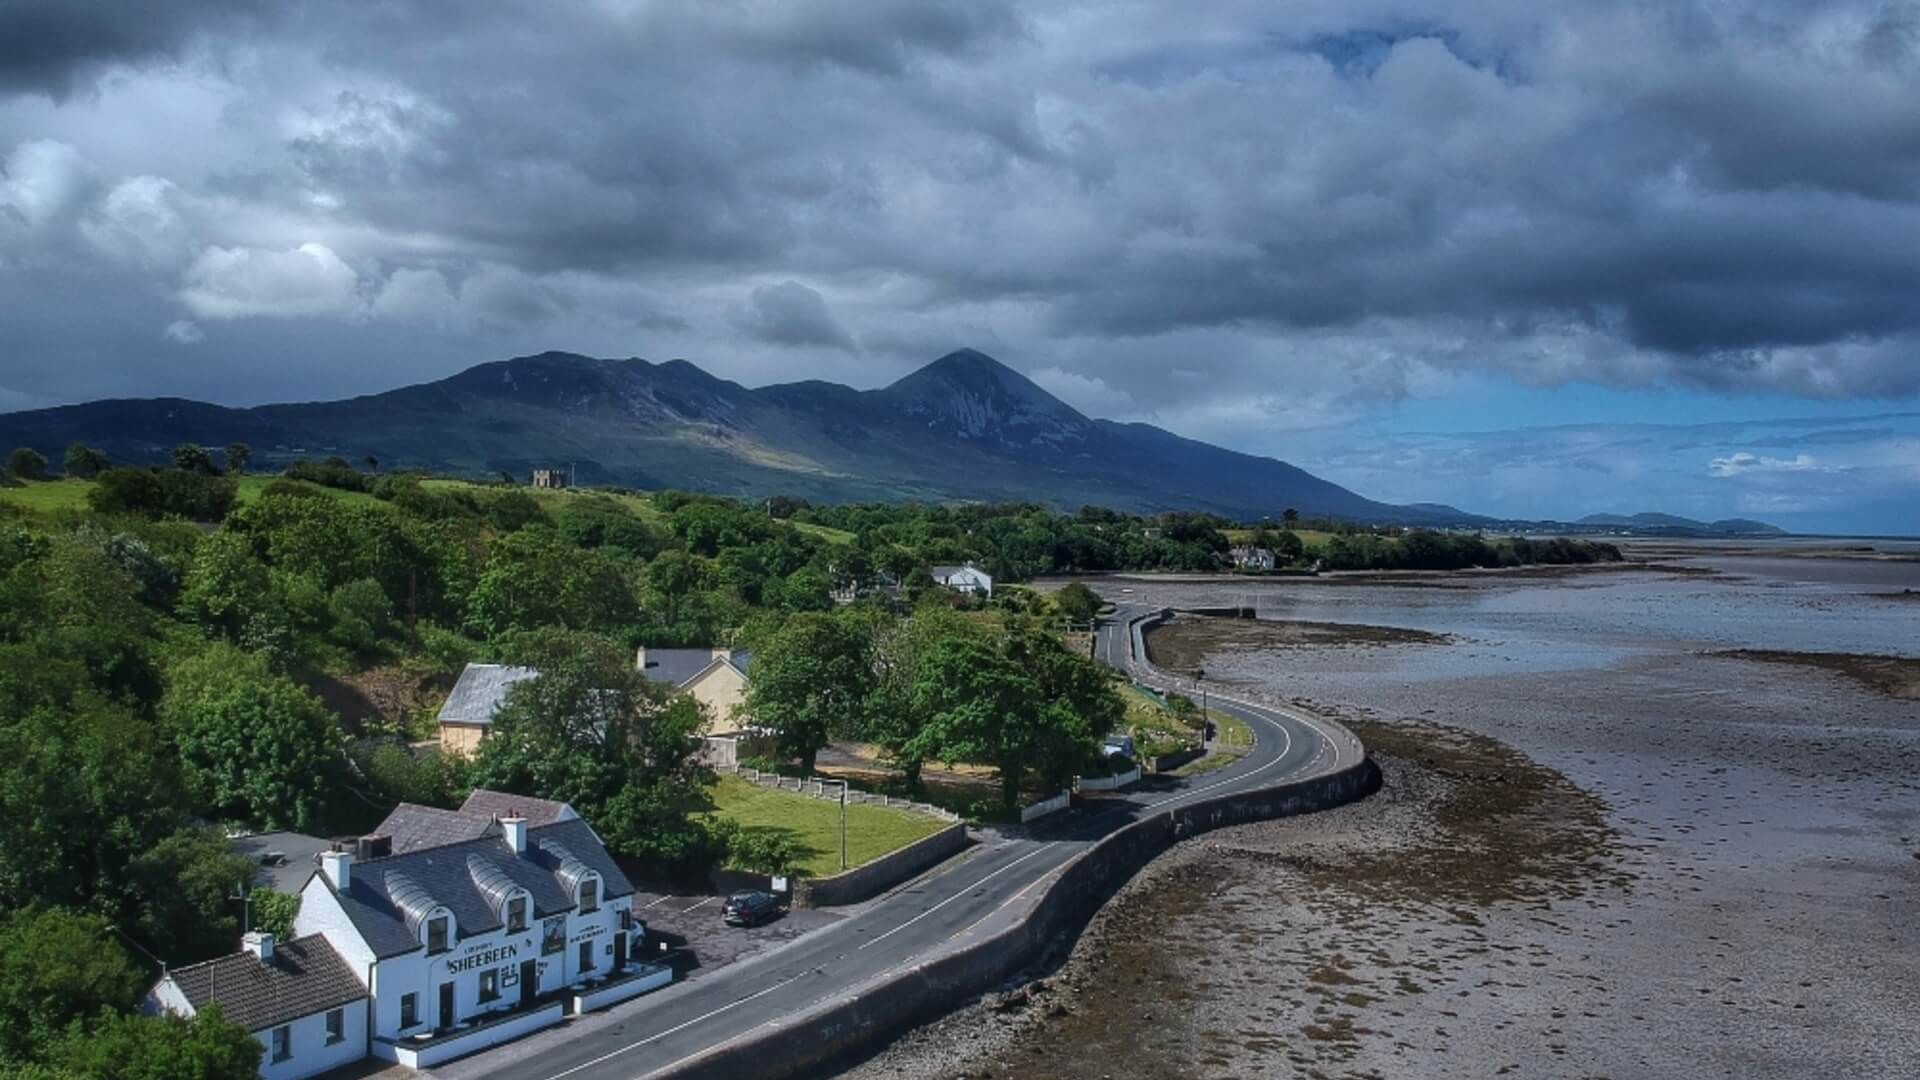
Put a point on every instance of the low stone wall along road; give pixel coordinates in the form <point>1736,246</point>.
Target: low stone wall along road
<point>993,885</point>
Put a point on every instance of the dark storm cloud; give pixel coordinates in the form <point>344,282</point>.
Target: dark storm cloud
<point>57,47</point>
<point>1158,205</point>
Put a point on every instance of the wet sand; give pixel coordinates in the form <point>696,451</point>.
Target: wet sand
<point>1705,866</point>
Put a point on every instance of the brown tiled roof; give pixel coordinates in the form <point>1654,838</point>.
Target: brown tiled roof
<point>304,977</point>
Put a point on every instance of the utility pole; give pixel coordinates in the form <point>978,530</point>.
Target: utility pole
<point>245,896</point>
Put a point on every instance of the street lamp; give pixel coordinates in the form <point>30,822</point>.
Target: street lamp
<point>843,817</point>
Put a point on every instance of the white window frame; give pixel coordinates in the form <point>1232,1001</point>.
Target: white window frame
<point>282,1043</point>
<point>589,885</point>
<point>489,986</point>
<point>526,913</point>
<point>446,941</point>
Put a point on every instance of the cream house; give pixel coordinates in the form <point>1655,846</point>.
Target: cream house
<point>716,678</point>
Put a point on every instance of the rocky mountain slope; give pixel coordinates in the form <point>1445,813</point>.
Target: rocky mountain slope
<point>963,427</point>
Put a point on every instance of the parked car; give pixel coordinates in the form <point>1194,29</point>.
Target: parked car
<point>749,908</point>
<point>1118,746</point>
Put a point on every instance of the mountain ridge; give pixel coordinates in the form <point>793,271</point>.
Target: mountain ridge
<point>964,427</point>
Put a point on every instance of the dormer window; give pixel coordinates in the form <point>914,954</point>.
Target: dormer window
<point>589,896</point>
<point>516,915</point>
<point>437,934</point>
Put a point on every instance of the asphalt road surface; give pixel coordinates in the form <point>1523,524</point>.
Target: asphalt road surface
<point>919,919</point>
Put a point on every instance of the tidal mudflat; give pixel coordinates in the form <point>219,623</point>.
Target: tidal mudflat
<point>1610,845</point>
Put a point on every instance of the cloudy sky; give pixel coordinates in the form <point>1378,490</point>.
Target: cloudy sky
<point>1521,255</point>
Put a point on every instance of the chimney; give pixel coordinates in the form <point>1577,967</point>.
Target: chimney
<point>260,945</point>
<point>640,660</point>
<point>338,866</point>
<point>514,828</point>
<point>721,652</point>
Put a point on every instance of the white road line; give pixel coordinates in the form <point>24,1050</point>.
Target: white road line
<point>957,895</point>
<point>699,905</point>
<point>658,902</point>
<point>610,1055</point>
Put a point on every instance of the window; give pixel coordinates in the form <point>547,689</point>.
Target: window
<point>437,934</point>
<point>589,895</point>
<point>517,915</point>
<point>409,1010</point>
<point>282,1043</point>
<point>586,956</point>
<point>336,1026</point>
<point>489,986</point>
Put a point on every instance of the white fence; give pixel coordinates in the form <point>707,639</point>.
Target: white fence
<point>1046,806</point>
<point>830,789</point>
<point>1107,783</point>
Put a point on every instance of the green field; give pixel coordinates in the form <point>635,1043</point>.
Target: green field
<point>814,824</point>
<point>51,496</point>
<point>1313,539</point>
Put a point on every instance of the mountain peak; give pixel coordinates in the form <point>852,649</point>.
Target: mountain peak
<point>977,397</point>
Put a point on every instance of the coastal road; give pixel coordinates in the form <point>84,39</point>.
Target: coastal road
<point>667,1028</point>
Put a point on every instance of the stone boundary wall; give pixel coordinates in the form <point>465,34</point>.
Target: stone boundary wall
<point>872,878</point>
<point>1166,762</point>
<point>877,1011</point>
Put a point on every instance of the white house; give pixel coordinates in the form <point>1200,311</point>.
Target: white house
<point>967,579</point>
<point>478,928</point>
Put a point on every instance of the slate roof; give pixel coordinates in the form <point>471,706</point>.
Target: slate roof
<point>479,692</point>
<point>304,977</point>
<point>298,856</point>
<point>413,827</point>
<point>499,804</point>
<point>382,890</point>
<point>680,666</point>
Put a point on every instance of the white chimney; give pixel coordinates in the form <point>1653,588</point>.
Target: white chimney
<point>640,660</point>
<point>259,944</point>
<point>721,652</point>
<point>514,828</point>
<point>338,866</point>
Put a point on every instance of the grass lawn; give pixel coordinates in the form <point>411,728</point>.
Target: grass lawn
<point>872,831</point>
<point>48,496</point>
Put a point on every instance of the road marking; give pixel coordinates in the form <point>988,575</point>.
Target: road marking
<point>699,905</point>
<point>658,902</point>
<point>702,1018</point>
<point>958,895</point>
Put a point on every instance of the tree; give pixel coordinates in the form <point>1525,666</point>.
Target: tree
<point>1288,546</point>
<point>226,585</point>
<point>84,462</point>
<point>274,912</point>
<point>27,463</point>
<point>897,719</point>
<point>593,732</point>
<point>184,884</point>
<point>256,746</point>
<point>237,455</point>
<point>1290,517</point>
<point>810,682</point>
<point>58,966</point>
<point>980,708</point>
<point>1077,602</point>
<point>373,463</point>
<point>122,1047</point>
<point>192,457</point>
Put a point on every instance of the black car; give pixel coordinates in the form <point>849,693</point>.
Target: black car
<point>749,908</point>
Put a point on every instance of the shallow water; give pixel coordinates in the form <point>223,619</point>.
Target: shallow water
<point>1771,814</point>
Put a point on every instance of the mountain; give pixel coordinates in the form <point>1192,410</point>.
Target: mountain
<point>965,427</point>
<point>1670,523</point>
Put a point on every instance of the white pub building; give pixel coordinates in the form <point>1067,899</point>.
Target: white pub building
<point>444,932</point>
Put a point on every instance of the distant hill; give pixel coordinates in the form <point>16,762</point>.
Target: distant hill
<point>965,427</point>
<point>1673,523</point>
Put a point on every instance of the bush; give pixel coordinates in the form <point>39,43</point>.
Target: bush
<point>333,472</point>
<point>27,464</point>
<point>158,493</point>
